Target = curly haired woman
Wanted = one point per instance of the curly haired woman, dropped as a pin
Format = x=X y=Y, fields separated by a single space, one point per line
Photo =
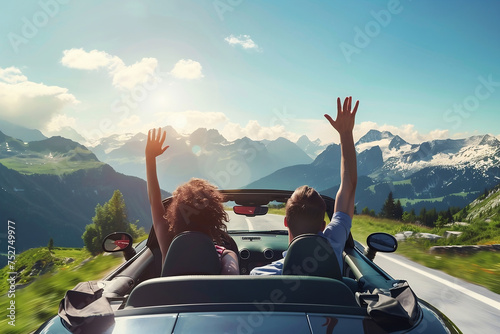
x=196 y=206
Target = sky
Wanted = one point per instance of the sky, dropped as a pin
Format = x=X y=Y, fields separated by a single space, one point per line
x=262 y=69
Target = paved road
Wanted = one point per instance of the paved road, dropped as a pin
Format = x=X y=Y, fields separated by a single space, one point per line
x=472 y=308
x=257 y=223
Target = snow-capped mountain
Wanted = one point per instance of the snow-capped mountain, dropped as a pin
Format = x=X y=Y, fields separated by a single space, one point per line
x=402 y=159
x=312 y=148
x=390 y=145
x=440 y=173
x=205 y=153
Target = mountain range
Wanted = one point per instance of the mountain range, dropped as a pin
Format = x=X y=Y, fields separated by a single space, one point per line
x=205 y=154
x=437 y=173
x=20 y=132
x=50 y=186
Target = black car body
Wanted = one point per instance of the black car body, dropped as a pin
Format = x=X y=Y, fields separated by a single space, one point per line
x=144 y=302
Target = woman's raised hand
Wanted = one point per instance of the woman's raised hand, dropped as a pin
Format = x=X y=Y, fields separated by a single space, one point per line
x=154 y=146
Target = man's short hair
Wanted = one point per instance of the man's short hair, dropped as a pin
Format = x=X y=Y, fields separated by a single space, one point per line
x=305 y=211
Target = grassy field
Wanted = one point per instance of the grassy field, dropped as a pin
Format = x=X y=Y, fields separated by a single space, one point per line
x=413 y=201
x=45 y=260
x=47 y=166
x=398 y=183
x=280 y=211
x=482 y=268
x=38 y=301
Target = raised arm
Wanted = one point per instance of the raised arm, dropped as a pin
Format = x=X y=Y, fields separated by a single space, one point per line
x=154 y=148
x=344 y=125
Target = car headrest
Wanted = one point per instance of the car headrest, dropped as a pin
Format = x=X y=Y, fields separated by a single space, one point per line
x=311 y=255
x=191 y=253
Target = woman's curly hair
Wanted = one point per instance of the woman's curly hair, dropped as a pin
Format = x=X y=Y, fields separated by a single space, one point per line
x=197 y=206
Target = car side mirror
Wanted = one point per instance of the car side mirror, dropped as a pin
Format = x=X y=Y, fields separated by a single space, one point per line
x=380 y=242
x=119 y=242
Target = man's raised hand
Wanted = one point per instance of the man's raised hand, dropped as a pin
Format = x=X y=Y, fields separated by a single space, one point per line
x=344 y=123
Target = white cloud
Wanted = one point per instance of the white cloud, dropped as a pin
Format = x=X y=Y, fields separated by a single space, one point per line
x=133 y=75
x=317 y=129
x=187 y=69
x=93 y=60
x=188 y=121
x=29 y=103
x=437 y=134
x=59 y=122
x=244 y=40
x=12 y=75
x=130 y=123
x=255 y=131
x=124 y=77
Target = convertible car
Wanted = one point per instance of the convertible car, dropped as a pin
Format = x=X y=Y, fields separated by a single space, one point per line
x=187 y=295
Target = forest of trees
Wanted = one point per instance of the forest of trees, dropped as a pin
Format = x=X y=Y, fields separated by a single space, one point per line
x=393 y=209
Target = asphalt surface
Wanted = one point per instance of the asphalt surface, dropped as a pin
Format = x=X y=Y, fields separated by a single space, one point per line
x=258 y=223
x=472 y=308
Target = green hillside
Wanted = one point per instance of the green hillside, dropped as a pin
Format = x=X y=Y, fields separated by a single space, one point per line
x=51 y=187
x=485 y=208
x=36 y=262
x=54 y=165
x=47 y=206
x=54 y=156
x=43 y=279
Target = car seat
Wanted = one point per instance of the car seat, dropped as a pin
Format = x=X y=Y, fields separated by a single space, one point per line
x=311 y=255
x=191 y=253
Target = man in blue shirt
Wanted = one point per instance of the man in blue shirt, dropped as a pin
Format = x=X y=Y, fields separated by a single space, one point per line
x=305 y=209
